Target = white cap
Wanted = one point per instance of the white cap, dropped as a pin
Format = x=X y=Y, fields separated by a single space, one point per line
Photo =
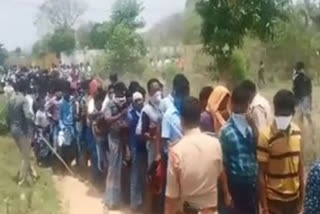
x=137 y=96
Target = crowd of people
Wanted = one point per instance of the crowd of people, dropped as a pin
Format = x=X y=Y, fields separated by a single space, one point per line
x=224 y=152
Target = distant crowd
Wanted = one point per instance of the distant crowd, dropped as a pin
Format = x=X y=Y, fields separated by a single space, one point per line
x=223 y=152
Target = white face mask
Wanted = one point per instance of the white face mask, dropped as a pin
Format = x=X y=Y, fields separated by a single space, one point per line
x=283 y=122
x=120 y=100
x=156 y=98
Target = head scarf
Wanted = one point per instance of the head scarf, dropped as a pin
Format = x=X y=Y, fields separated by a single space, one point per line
x=214 y=102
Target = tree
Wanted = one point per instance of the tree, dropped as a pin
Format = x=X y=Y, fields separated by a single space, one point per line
x=60 y=13
x=83 y=35
x=41 y=47
x=62 y=40
x=3 y=54
x=98 y=35
x=225 y=23
x=127 y=12
x=124 y=47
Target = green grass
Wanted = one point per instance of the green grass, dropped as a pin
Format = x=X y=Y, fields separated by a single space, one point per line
x=39 y=198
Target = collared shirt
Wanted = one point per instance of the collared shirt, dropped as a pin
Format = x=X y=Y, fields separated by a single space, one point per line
x=171 y=126
x=312 y=200
x=190 y=182
x=281 y=152
x=239 y=153
x=260 y=111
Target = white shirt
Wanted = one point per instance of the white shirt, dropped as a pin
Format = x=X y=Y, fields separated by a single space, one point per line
x=260 y=110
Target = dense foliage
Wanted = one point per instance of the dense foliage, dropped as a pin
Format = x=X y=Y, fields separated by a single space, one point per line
x=124 y=46
x=62 y=40
x=226 y=23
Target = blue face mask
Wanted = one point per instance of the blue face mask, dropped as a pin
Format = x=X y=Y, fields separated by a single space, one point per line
x=178 y=103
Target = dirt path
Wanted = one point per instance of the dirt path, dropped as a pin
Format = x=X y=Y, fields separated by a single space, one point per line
x=78 y=197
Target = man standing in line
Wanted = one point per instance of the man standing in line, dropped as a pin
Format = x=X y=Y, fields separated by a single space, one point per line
x=20 y=122
x=280 y=159
x=192 y=188
x=238 y=138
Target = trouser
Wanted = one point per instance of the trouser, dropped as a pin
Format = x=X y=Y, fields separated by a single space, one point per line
x=282 y=207
x=24 y=145
x=164 y=157
x=138 y=178
x=245 y=198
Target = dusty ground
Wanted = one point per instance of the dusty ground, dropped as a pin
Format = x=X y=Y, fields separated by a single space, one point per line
x=80 y=197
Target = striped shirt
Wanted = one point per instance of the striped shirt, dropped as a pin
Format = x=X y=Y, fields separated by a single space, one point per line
x=281 y=152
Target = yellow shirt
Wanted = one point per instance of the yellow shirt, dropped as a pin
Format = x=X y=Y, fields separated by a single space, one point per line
x=281 y=152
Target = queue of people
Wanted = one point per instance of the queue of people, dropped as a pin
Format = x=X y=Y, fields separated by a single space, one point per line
x=222 y=153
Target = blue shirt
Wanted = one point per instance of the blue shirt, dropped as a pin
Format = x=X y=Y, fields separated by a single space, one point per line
x=171 y=126
x=239 y=153
x=66 y=114
x=136 y=143
x=312 y=200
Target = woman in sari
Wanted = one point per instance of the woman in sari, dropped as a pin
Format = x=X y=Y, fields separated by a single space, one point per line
x=218 y=107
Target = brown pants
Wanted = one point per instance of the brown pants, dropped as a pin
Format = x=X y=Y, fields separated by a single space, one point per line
x=281 y=207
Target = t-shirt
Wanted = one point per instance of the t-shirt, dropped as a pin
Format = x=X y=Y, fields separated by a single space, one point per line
x=189 y=181
x=281 y=151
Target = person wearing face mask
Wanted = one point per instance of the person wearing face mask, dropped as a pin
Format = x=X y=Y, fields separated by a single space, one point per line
x=139 y=154
x=116 y=119
x=238 y=141
x=148 y=130
x=280 y=159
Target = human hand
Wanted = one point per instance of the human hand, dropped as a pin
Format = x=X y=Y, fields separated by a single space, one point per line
x=228 y=201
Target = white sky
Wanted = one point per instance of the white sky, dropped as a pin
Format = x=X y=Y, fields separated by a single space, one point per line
x=17 y=17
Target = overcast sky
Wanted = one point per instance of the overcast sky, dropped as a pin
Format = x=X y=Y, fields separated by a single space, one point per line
x=17 y=17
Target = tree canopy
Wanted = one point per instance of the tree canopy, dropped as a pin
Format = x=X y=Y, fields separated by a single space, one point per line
x=225 y=23
x=62 y=40
x=124 y=46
